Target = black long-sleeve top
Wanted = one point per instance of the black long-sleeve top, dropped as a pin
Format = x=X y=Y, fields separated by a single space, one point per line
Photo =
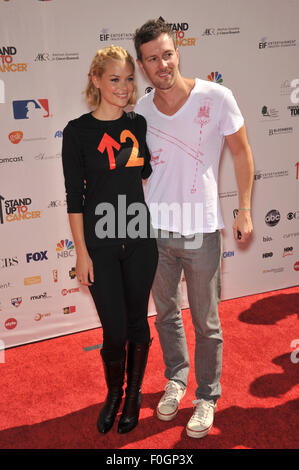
x=103 y=160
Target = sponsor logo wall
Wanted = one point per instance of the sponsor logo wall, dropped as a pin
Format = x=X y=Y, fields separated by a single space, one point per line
x=45 y=51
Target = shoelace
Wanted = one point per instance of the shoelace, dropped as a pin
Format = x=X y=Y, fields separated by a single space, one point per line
x=171 y=394
x=201 y=412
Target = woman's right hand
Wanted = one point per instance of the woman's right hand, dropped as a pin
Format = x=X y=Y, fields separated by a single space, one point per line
x=84 y=269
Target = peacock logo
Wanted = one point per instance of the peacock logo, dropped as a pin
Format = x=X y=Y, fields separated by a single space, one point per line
x=64 y=248
x=215 y=77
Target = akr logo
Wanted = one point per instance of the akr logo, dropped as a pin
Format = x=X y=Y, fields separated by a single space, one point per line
x=30 y=109
x=42 y=57
x=209 y=32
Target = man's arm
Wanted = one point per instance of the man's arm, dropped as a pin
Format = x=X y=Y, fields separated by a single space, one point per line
x=244 y=170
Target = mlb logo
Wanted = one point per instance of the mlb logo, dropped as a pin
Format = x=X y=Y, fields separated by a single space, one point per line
x=30 y=109
x=16 y=302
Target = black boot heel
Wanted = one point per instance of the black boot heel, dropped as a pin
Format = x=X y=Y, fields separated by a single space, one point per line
x=114 y=375
x=137 y=359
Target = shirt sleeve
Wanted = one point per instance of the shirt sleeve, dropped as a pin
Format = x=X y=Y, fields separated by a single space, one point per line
x=73 y=170
x=230 y=119
x=147 y=168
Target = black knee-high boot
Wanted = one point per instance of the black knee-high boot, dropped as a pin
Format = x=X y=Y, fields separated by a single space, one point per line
x=114 y=375
x=136 y=363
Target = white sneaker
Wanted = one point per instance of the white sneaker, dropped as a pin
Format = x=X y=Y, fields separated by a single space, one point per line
x=202 y=419
x=169 y=404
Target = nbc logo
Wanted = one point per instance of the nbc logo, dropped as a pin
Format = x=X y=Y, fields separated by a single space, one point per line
x=65 y=248
x=215 y=77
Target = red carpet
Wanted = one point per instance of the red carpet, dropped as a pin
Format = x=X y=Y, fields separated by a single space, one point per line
x=51 y=391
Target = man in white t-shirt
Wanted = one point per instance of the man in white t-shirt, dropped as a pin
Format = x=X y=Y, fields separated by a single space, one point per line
x=188 y=121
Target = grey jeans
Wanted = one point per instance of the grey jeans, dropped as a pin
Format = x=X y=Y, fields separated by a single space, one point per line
x=201 y=267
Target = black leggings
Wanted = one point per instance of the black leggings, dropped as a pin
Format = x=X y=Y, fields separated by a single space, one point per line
x=123 y=277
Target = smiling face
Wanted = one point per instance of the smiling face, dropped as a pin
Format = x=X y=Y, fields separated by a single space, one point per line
x=160 y=61
x=116 y=84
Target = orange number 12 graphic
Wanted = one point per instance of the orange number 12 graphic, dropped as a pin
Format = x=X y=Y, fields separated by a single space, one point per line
x=109 y=143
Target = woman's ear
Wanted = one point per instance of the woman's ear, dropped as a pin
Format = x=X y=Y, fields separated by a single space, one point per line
x=96 y=81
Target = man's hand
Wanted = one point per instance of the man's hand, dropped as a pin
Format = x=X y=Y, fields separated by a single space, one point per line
x=243 y=225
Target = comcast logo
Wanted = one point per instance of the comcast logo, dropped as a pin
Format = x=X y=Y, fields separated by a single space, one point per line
x=215 y=77
x=64 y=248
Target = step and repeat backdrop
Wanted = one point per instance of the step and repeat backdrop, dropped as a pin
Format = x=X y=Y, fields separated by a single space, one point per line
x=45 y=51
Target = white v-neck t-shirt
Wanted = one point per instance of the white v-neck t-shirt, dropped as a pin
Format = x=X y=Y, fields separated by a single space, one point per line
x=182 y=191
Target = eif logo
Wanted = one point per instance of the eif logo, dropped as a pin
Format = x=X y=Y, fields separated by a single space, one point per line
x=30 y=109
x=263 y=43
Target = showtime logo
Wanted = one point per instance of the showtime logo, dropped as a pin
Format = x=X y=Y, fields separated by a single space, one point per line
x=296 y=266
x=39 y=316
x=70 y=291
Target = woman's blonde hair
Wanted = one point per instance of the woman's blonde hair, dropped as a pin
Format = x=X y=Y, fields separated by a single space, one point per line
x=98 y=67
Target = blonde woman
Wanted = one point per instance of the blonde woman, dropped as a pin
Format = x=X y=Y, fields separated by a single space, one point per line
x=105 y=158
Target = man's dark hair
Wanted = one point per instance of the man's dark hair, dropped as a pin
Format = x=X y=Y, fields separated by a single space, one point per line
x=152 y=29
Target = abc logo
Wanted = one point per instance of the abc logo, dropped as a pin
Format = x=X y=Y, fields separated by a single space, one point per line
x=272 y=218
